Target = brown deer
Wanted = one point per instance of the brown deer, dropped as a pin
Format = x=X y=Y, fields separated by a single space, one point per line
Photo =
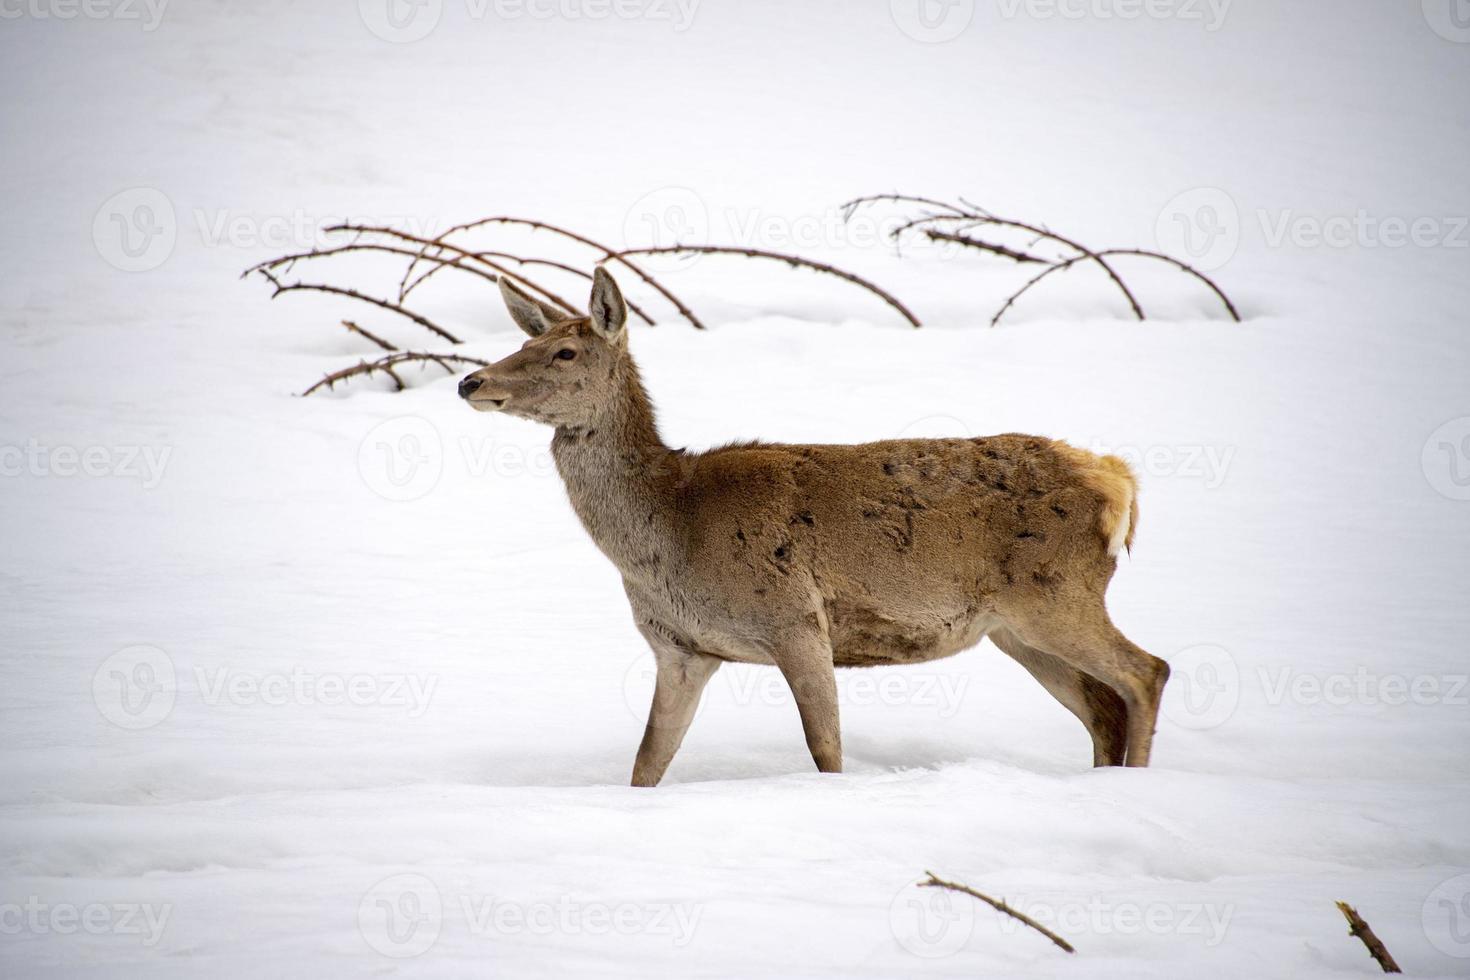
x=815 y=557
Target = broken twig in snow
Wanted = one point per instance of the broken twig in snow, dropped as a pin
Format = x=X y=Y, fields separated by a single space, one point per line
x=1361 y=929
x=999 y=905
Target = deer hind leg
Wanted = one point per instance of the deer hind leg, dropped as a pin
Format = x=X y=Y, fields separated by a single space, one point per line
x=682 y=676
x=1082 y=635
x=805 y=660
x=1095 y=704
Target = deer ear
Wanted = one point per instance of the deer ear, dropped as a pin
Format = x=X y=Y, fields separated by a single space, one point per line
x=609 y=311
x=531 y=315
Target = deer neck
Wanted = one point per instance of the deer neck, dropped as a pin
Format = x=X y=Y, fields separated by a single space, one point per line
x=616 y=470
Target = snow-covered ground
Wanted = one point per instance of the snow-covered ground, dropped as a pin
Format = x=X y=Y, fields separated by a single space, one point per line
x=337 y=686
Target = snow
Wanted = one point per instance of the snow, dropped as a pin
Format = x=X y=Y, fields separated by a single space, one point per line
x=395 y=691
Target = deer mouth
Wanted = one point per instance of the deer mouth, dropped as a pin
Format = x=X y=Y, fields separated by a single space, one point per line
x=487 y=403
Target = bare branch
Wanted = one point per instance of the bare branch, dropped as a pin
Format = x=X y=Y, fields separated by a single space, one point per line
x=354 y=294
x=1011 y=301
x=1068 y=263
x=369 y=335
x=526 y=260
x=607 y=253
x=999 y=905
x=1085 y=252
x=848 y=208
x=1361 y=929
x=274 y=265
x=1001 y=250
x=791 y=260
x=462 y=253
x=1183 y=267
x=387 y=364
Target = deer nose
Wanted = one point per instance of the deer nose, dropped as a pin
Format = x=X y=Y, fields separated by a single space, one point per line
x=469 y=386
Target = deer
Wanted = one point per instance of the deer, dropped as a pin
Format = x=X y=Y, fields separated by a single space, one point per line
x=814 y=557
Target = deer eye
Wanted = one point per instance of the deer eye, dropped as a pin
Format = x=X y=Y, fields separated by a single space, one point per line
x=565 y=354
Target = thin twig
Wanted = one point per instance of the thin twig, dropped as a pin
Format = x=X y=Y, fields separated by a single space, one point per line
x=1361 y=929
x=1011 y=300
x=999 y=905
x=848 y=208
x=369 y=335
x=1001 y=250
x=386 y=365
x=792 y=260
x=354 y=294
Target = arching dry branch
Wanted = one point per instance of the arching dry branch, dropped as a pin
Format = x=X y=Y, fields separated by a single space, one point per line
x=957 y=221
x=354 y=294
x=607 y=254
x=462 y=253
x=285 y=263
x=530 y=260
x=791 y=260
x=386 y=365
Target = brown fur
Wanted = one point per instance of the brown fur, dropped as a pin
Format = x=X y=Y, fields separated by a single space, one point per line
x=810 y=557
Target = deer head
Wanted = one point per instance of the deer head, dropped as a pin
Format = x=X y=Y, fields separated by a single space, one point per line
x=569 y=370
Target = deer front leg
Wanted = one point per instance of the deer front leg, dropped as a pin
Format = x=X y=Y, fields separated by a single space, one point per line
x=681 y=678
x=806 y=663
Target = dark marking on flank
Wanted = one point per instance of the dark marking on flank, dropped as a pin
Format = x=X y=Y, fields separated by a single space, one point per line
x=1059 y=510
